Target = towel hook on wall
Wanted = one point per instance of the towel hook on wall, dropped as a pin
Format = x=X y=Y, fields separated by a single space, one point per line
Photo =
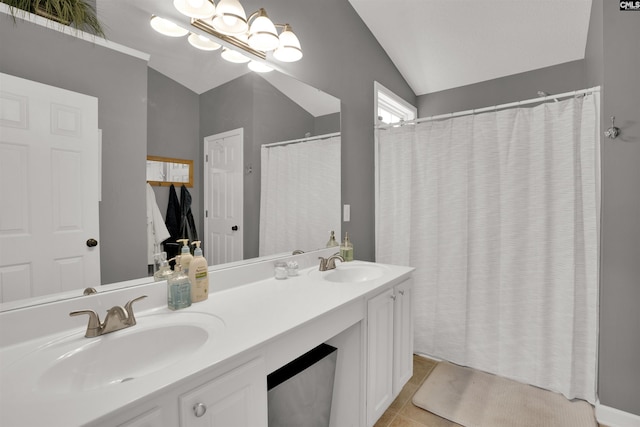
x=613 y=131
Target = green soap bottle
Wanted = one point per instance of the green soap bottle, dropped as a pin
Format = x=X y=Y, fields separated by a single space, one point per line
x=346 y=248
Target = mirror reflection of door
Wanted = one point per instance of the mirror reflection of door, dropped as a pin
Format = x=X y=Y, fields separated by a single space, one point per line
x=223 y=197
x=49 y=226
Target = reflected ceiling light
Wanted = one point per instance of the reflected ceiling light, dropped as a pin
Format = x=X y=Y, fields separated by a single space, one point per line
x=198 y=9
x=202 y=42
x=230 y=18
x=167 y=28
x=233 y=56
x=289 y=48
x=262 y=33
x=259 y=67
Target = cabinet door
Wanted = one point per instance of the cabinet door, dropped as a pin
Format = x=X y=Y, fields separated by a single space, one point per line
x=236 y=399
x=379 y=355
x=403 y=336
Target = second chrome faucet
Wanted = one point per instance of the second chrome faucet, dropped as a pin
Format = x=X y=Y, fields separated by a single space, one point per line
x=117 y=318
x=329 y=263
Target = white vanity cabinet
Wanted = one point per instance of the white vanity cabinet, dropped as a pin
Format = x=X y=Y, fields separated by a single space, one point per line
x=237 y=398
x=389 y=347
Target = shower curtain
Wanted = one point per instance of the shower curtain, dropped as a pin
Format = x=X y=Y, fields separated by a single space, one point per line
x=299 y=195
x=498 y=212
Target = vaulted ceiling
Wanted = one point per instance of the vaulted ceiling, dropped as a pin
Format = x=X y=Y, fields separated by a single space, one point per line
x=442 y=44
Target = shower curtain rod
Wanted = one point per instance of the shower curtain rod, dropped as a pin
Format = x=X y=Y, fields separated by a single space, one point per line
x=574 y=93
x=295 y=141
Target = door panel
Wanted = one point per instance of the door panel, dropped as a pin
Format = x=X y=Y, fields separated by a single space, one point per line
x=49 y=197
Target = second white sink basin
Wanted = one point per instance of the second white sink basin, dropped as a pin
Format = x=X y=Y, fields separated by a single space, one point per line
x=355 y=272
x=77 y=364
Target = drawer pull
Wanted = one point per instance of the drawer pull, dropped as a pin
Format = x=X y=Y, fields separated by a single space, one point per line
x=199 y=409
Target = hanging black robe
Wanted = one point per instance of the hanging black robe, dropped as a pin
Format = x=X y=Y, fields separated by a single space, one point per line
x=187 y=223
x=172 y=221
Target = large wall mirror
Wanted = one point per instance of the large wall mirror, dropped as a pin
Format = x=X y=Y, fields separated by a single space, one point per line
x=166 y=105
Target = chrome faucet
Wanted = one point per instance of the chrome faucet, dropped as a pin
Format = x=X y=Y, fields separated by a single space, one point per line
x=329 y=263
x=117 y=318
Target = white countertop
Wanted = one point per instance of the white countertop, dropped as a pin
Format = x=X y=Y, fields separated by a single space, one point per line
x=252 y=316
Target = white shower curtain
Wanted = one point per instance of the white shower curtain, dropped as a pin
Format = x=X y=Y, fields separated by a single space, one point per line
x=498 y=212
x=300 y=195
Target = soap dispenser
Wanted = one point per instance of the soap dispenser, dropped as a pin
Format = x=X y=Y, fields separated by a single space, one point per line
x=164 y=271
x=178 y=288
x=199 y=275
x=185 y=255
x=346 y=248
x=332 y=240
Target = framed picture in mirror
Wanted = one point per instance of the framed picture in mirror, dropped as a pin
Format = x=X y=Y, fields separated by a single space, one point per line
x=164 y=171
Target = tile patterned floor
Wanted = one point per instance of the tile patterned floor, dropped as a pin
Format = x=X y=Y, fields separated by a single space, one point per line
x=403 y=413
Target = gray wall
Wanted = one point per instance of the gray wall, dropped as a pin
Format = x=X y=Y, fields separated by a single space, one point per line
x=613 y=60
x=173 y=131
x=36 y=53
x=266 y=115
x=557 y=79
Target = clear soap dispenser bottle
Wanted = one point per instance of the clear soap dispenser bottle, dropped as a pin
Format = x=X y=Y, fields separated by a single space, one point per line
x=346 y=248
x=185 y=255
x=332 y=240
x=164 y=271
x=178 y=288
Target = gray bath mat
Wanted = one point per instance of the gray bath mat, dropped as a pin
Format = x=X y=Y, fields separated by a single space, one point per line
x=476 y=399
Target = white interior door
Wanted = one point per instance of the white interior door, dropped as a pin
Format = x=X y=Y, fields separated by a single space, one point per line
x=223 y=196
x=49 y=170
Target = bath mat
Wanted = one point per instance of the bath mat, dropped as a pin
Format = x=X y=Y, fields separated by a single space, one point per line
x=476 y=399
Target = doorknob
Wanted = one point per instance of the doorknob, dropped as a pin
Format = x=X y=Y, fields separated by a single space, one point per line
x=234 y=228
x=92 y=242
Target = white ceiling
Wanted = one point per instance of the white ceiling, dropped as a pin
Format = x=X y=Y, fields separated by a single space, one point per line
x=435 y=44
x=126 y=22
x=442 y=44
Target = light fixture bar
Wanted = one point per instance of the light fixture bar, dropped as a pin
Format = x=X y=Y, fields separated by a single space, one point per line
x=207 y=28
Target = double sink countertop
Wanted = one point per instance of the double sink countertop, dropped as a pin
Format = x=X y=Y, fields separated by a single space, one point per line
x=65 y=376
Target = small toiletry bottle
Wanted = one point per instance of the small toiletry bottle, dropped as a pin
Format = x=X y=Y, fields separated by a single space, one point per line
x=178 y=289
x=185 y=255
x=199 y=275
x=346 y=248
x=164 y=271
x=332 y=240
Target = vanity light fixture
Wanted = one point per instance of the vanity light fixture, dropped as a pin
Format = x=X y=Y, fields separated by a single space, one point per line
x=234 y=56
x=167 y=28
x=259 y=67
x=202 y=42
x=227 y=22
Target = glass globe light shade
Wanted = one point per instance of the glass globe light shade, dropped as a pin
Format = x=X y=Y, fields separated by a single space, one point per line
x=202 y=42
x=259 y=67
x=289 y=49
x=233 y=56
x=262 y=33
x=198 y=9
x=167 y=28
x=230 y=18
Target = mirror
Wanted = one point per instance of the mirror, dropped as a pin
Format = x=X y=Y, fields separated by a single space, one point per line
x=164 y=171
x=147 y=108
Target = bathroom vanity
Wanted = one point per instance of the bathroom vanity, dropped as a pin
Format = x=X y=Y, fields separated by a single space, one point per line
x=207 y=365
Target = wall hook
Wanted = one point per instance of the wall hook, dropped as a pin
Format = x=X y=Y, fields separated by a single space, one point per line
x=613 y=131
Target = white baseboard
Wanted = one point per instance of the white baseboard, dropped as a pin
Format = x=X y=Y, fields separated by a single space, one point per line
x=612 y=417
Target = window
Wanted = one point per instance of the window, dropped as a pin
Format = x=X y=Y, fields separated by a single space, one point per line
x=390 y=108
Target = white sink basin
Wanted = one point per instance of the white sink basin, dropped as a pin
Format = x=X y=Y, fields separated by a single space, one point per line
x=77 y=364
x=352 y=272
